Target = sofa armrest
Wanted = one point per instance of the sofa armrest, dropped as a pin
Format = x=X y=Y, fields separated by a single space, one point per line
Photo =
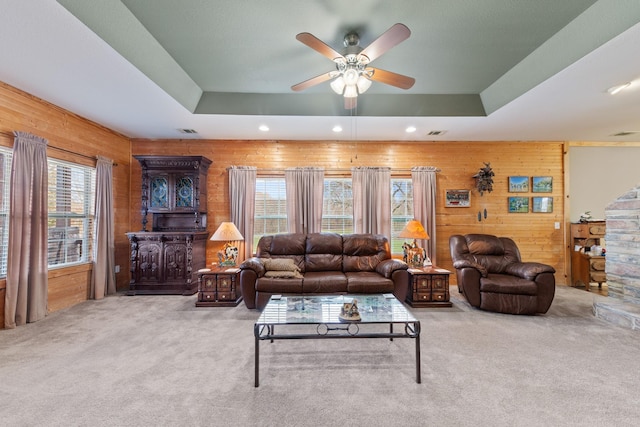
x=528 y=270
x=254 y=264
x=388 y=266
x=464 y=263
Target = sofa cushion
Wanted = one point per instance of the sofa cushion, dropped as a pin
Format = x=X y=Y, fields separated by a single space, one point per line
x=363 y=252
x=323 y=252
x=320 y=282
x=507 y=284
x=368 y=282
x=278 y=285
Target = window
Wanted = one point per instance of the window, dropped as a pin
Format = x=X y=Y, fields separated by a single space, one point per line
x=271 y=210
x=5 y=175
x=71 y=212
x=337 y=206
x=401 y=210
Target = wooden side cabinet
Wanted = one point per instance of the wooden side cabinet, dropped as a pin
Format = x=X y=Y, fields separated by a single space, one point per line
x=586 y=269
x=429 y=287
x=219 y=288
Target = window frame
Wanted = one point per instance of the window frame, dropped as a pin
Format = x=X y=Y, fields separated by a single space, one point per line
x=61 y=194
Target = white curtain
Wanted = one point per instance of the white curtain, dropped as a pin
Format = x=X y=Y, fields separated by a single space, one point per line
x=305 y=188
x=104 y=279
x=242 y=195
x=423 y=179
x=27 y=282
x=372 y=200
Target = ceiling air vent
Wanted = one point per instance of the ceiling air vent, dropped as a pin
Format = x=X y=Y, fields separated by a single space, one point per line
x=436 y=132
x=189 y=131
x=632 y=132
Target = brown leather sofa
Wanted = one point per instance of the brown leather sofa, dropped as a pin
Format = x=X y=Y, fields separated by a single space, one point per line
x=323 y=263
x=492 y=276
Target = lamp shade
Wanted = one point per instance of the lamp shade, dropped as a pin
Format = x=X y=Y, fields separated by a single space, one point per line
x=227 y=231
x=414 y=230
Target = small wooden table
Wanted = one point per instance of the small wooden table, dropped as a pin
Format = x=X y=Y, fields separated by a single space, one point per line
x=428 y=287
x=219 y=287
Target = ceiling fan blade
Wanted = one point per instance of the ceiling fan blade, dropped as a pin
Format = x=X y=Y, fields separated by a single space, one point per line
x=350 y=103
x=393 y=36
x=389 y=78
x=318 y=45
x=314 y=81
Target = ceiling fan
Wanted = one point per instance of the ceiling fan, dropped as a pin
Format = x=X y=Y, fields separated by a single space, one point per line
x=353 y=75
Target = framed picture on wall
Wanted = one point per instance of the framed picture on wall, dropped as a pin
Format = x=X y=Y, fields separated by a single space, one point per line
x=542 y=204
x=542 y=184
x=457 y=198
x=518 y=184
x=518 y=204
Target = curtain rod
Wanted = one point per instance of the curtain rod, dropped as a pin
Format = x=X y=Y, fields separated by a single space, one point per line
x=11 y=135
x=333 y=170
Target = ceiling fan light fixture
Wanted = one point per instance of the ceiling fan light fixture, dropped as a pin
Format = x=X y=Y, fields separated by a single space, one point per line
x=338 y=85
x=350 y=91
x=363 y=84
x=351 y=77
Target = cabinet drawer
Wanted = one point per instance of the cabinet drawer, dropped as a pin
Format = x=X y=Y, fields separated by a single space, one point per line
x=209 y=283
x=597 y=230
x=439 y=283
x=439 y=296
x=207 y=296
x=598 y=276
x=224 y=282
x=579 y=231
x=226 y=296
x=422 y=283
x=597 y=264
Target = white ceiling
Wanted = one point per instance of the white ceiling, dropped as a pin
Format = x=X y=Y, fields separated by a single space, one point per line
x=540 y=69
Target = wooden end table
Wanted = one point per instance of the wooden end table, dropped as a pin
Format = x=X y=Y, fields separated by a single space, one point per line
x=219 y=287
x=428 y=287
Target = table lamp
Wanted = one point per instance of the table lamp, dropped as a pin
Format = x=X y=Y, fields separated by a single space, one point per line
x=413 y=255
x=227 y=232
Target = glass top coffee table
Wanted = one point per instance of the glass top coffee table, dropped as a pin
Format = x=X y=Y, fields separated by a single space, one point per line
x=321 y=314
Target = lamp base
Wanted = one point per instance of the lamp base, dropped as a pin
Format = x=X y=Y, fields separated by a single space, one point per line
x=228 y=255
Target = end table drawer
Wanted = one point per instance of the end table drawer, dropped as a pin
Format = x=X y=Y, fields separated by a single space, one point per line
x=422 y=283
x=439 y=296
x=224 y=282
x=422 y=296
x=207 y=296
x=209 y=282
x=226 y=296
x=440 y=283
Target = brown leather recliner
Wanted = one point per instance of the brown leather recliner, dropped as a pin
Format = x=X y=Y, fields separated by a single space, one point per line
x=492 y=276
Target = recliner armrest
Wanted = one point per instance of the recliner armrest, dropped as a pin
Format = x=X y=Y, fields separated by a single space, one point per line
x=528 y=270
x=464 y=263
x=254 y=264
x=388 y=266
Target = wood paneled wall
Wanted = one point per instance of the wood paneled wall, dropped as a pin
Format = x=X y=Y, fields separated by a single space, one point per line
x=535 y=233
x=82 y=140
x=458 y=161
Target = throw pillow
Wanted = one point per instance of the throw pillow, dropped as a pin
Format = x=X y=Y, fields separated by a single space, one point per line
x=279 y=264
x=283 y=274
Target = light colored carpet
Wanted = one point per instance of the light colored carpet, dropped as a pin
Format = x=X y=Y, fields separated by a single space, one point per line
x=159 y=360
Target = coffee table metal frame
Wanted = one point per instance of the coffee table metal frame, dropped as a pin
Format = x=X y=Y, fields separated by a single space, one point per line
x=323 y=311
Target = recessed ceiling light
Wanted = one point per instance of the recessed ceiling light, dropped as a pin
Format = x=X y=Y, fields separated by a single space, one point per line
x=337 y=128
x=616 y=89
x=264 y=128
x=410 y=129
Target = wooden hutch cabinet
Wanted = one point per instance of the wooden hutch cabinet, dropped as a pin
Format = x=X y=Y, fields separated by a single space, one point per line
x=585 y=267
x=174 y=192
